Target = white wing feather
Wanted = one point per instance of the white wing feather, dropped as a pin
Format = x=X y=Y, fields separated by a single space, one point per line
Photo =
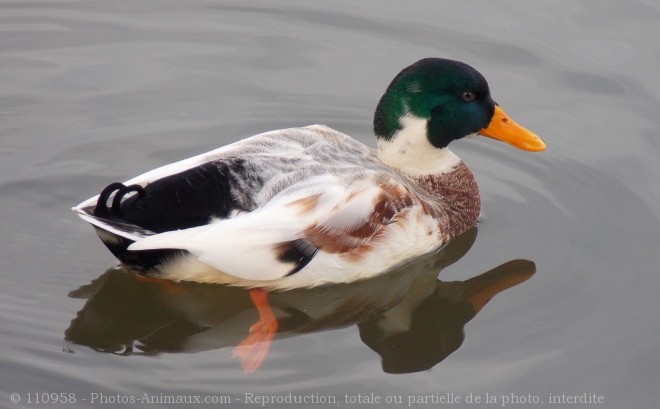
x=245 y=246
x=241 y=247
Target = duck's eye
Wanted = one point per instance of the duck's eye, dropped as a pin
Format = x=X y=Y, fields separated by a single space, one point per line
x=468 y=96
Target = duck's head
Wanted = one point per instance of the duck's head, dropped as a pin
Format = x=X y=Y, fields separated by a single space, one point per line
x=435 y=101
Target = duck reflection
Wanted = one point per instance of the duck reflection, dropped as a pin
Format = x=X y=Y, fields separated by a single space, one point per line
x=408 y=316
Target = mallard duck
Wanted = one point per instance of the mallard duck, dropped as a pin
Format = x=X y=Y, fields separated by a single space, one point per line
x=301 y=207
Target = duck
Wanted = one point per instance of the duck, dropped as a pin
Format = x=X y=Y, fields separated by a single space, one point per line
x=303 y=207
x=307 y=206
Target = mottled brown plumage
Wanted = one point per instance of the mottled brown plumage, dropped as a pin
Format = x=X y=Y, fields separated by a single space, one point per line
x=454 y=200
x=451 y=199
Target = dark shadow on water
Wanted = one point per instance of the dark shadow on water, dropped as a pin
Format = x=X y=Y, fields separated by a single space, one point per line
x=408 y=316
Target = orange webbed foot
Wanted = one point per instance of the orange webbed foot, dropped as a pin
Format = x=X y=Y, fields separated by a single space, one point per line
x=254 y=348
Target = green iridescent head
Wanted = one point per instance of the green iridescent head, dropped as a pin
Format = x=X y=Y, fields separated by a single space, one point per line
x=452 y=96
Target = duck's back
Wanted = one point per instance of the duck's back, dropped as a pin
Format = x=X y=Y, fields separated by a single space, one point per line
x=246 y=175
x=235 y=179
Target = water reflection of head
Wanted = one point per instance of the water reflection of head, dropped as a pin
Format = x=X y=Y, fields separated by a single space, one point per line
x=435 y=327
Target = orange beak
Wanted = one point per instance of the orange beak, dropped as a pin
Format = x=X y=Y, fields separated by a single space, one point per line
x=504 y=129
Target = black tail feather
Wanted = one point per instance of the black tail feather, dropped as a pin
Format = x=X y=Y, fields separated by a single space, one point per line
x=119 y=196
x=102 y=209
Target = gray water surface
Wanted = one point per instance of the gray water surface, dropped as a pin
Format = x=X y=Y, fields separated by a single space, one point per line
x=92 y=92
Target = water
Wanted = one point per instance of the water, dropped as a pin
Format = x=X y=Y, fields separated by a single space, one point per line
x=92 y=92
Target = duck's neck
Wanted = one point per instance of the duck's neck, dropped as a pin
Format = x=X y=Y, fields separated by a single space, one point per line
x=410 y=151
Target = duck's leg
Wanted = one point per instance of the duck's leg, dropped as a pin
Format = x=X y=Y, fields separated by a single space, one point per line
x=254 y=348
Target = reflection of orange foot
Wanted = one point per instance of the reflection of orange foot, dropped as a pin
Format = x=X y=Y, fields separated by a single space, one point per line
x=254 y=348
x=168 y=286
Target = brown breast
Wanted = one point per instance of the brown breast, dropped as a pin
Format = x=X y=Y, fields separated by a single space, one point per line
x=451 y=198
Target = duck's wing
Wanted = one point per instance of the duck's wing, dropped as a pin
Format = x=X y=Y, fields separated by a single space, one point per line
x=282 y=237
